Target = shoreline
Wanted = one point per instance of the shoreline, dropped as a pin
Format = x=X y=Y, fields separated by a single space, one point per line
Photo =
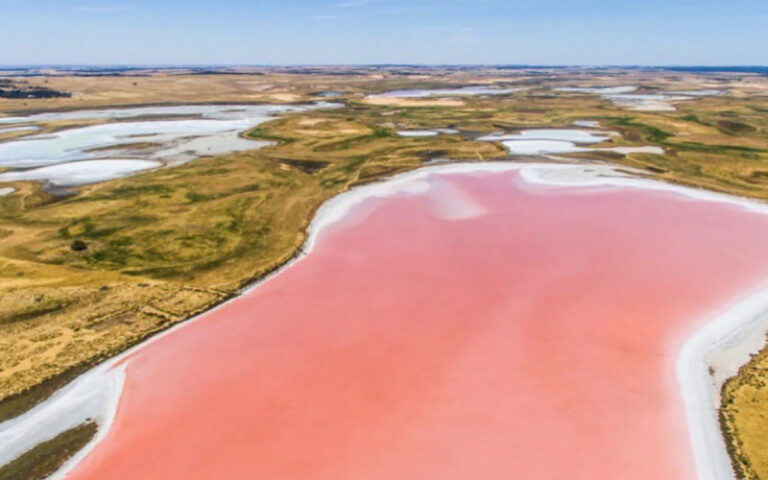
x=98 y=390
x=728 y=340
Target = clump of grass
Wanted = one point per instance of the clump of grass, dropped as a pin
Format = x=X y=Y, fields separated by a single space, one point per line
x=263 y=133
x=194 y=196
x=651 y=133
x=78 y=245
x=695 y=119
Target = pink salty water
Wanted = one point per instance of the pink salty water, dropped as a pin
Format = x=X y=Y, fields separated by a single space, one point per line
x=485 y=328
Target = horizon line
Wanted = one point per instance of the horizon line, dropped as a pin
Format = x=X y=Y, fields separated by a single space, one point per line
x=288 y=65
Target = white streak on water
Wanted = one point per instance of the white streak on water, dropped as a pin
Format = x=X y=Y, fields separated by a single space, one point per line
x=23 y=128
x=649 y=102
x=557 y=134
x=541 y=147
x=417 y=133
x=587 y=123
x=214 y=112
x=553 y=141
x=627 y=150
x=427 y=133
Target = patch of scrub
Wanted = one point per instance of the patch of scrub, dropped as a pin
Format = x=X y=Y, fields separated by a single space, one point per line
x=446 y=92
x=73 y=174
x=215 y=132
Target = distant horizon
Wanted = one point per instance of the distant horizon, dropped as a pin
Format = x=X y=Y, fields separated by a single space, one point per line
x=378 y=65
x=381 y=32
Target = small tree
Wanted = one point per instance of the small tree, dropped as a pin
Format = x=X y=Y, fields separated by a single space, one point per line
x=78 y=245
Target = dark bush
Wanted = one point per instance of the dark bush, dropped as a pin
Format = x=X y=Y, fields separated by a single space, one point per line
x=78 y=246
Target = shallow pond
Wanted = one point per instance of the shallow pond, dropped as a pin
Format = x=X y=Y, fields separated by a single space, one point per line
x=554 y=141
x=658 y=101
x=81 y=173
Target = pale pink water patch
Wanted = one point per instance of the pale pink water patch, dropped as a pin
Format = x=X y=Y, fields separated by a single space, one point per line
x=533 y=336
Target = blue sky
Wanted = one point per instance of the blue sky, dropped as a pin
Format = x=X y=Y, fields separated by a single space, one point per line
x=594 y=32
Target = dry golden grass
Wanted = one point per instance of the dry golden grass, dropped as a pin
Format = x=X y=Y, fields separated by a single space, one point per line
x=744 y=418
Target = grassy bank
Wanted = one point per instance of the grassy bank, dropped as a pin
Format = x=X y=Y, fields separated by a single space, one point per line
x=744 y=418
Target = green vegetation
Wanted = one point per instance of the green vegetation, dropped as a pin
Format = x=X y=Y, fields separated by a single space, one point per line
x=649 y=132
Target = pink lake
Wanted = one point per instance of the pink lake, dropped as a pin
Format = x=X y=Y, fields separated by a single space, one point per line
x=483 y=328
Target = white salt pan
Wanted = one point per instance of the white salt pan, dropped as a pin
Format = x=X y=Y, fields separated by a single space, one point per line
x=216 y=131
x=24 y=128
x=80 y=173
